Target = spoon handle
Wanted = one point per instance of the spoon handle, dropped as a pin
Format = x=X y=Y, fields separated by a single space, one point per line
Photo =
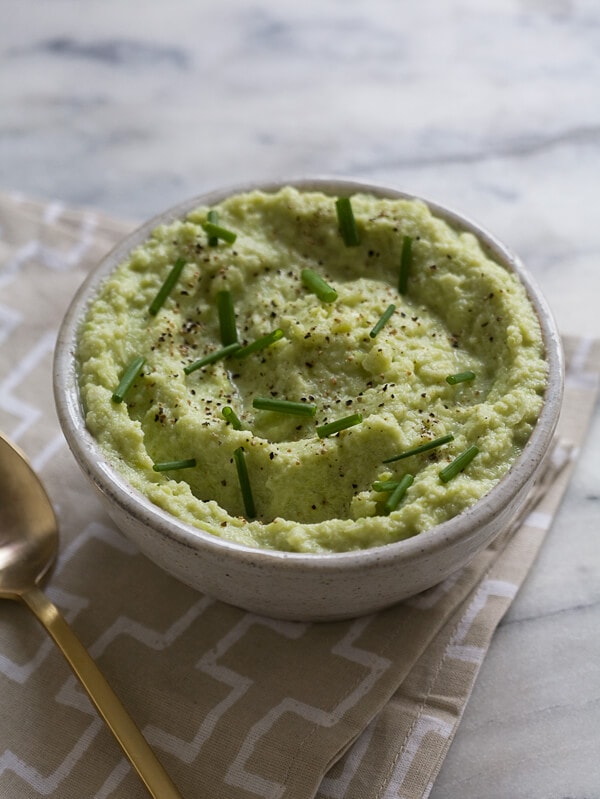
x=109 y=706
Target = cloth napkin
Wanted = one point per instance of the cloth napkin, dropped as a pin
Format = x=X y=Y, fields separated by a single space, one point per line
x=235 y=705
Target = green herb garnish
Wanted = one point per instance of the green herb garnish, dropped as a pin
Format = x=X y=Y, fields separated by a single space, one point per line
x=436 y=442
x=383 y=319
x=129 y=375
x=384 y=486
x=318 y=286
x=213 y=218
x=405 y=262
x=346 y=221
x=217 y=355
x=460 y=377
x=260 y=343
x=226 y=318
x=217 y=232
x=230 y=416
x=398 y=493
x=166 y=287
x=458 y=464
x=331 y=428
x=168 y=466
x=242 y=470
x=284 y=406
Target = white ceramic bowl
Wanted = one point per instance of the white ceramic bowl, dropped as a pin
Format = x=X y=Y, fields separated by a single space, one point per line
x=290 y=585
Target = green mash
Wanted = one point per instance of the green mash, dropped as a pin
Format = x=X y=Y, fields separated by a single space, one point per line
x=459 y=312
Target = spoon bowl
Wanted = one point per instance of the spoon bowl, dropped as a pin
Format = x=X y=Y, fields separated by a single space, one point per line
x=28 y=531
x=28 y=547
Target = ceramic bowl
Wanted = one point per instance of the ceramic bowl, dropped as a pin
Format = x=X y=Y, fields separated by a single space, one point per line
x=290 y=585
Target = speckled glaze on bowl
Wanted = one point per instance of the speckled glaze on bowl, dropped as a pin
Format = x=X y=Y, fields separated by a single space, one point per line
x=290 y=585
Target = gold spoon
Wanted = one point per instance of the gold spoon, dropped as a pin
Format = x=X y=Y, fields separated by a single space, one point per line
x=28 y=545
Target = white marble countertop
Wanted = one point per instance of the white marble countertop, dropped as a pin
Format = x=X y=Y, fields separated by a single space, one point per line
x=492 y=108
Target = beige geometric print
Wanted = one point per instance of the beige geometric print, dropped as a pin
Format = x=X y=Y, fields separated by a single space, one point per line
x=235 y=705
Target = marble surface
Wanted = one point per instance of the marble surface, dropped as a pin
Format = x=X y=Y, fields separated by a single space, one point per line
x=492 y=108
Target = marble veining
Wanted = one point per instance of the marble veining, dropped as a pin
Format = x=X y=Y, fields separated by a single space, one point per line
x=492 y=108
x=116 y=52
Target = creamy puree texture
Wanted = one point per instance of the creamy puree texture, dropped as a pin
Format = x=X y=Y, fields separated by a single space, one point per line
x=461 y=311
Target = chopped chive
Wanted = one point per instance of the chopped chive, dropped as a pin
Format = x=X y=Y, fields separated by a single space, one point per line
x=398 y=493
x=242 y=470
x=212 y=357
x=458 y=464
x=383 y=319
x=260 y=343
x=284 y=406
x=168 y=466
x=230 y=416
x=405 y=261
x=339 y=424
x=226 y=318
x=384 y=486
x=129 y=375
x=213 y=218
x=318 y=286
x=460 y=377
x=166 y=287
x=217 y=232
x=436 y=442
x=346 y=221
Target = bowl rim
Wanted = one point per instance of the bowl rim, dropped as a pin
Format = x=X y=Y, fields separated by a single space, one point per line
x=111 y=483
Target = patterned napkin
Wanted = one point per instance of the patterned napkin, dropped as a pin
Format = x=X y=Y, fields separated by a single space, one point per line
x=235 y=705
